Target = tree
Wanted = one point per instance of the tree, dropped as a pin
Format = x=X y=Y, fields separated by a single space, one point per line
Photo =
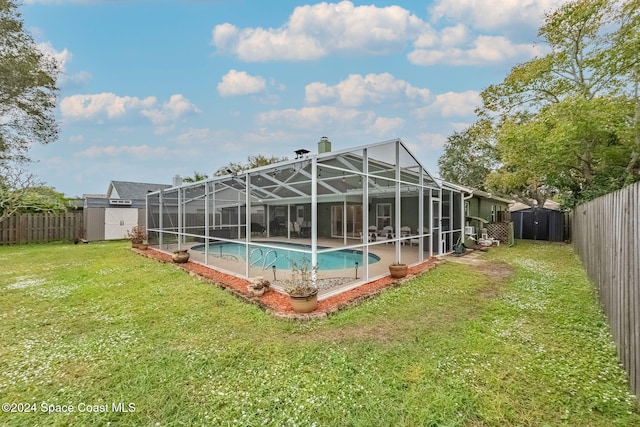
x=197 y=176
x=252 y=162
x=469 y=156
x=28 y=88
x=20 y=191
x=581 y=105
x=524 y=173
x=28 y=95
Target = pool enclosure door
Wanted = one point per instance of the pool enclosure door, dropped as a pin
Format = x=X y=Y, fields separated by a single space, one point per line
x=346 y=220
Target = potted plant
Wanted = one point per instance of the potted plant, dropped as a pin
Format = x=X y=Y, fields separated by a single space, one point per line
x=398 y=270
x=138 y=236
x=302 y=293
x=180 y=256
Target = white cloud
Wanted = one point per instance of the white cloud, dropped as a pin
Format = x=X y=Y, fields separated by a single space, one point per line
x=63 y=58
x=138 y=151
x=177 y=107
x=194 y=135
x=358 y=90
x=315 y=31
x=336 y=119
x=494 y=15
x=386 y=125
x=483 y=50
x=433 y=141
x=76 y=139
x=315 y=117
x=240 y=83
x=90 y=106
x=85 y=107
x=452 y=104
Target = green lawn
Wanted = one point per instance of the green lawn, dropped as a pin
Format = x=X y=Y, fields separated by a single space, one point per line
x=520 y=342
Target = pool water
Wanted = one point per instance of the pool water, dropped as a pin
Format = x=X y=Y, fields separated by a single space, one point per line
x=283 y=257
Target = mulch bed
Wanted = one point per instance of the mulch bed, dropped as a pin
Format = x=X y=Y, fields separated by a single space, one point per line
x=277 y=303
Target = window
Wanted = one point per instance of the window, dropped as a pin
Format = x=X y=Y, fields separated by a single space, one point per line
x=493 y=213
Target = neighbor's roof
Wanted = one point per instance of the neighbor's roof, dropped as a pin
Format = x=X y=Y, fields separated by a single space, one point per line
x=548 y=204
x=132 y=190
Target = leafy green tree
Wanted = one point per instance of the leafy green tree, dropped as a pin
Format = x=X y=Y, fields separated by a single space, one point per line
x=252 y=162
x=28 y=95
x=469 y=156
x=20 y=192
x=28 y=88
x=581 y=106
x=197 y=176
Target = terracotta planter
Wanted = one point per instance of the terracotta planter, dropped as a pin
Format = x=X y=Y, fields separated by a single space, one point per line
x=180 y=256
x=143 y=246
x=398 y=271
x=304 y=303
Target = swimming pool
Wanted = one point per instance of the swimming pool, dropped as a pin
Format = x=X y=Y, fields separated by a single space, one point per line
x=283 y=257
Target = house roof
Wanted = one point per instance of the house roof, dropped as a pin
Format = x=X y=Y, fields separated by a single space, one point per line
x=548 y=204
x=132 y=190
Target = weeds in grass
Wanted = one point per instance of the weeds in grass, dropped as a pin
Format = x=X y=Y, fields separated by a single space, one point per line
x=453 y=347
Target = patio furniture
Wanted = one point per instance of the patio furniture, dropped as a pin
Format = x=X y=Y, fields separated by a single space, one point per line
x=305 y=229
x=371 y=237
x=294 y=229
x=257 y=228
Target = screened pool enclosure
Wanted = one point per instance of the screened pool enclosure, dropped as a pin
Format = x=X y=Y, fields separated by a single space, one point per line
x=350 y=213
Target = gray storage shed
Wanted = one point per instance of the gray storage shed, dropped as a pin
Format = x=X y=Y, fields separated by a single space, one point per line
x=109 y=216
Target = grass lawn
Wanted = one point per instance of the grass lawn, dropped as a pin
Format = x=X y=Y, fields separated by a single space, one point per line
x=98 y=329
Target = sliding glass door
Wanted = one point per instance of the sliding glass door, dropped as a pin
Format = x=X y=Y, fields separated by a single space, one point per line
x=351 y=224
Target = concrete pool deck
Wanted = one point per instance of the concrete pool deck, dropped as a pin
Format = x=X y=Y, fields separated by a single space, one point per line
x=233 y=265
x=276 y=302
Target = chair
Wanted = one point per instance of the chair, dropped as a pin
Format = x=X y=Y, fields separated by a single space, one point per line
x=371 y=237
x=405 y=231
x=294 y=229
x=257 y=228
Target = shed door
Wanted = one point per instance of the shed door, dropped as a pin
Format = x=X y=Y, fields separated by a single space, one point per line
x=117 y=221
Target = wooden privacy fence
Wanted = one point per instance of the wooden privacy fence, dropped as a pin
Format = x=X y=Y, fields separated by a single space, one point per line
x=41 y=228
x=606 y=235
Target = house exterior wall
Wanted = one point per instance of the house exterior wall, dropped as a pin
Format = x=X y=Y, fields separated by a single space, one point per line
x=481 y=207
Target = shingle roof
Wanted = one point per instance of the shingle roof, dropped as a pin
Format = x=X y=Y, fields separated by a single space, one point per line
x=132 y=190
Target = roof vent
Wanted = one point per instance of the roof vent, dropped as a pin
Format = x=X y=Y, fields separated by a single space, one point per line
x=120 y=202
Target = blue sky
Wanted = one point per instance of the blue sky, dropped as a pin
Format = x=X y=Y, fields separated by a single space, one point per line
x=151 y=89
